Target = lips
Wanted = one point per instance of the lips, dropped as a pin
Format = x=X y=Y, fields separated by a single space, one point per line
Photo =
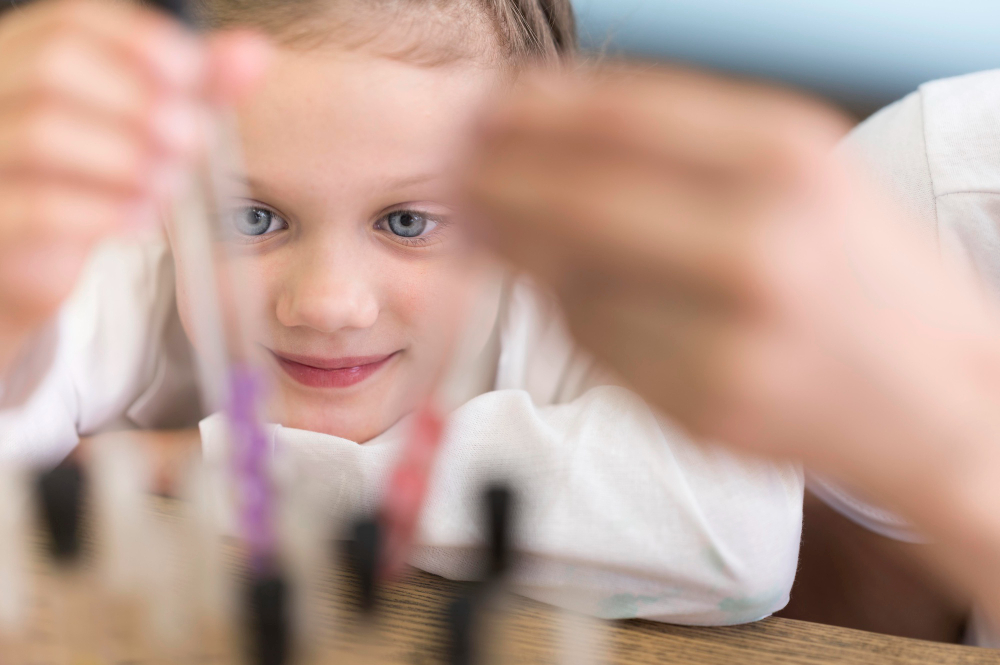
x=318 y=372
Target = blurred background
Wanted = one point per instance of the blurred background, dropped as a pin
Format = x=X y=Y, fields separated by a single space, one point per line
x=862 y=54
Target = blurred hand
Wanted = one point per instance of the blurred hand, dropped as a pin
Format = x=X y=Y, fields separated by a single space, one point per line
x=706 y=244
x=100 y=107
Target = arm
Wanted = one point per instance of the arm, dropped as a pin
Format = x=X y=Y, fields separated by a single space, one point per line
x=810 y=319
x=935 y=156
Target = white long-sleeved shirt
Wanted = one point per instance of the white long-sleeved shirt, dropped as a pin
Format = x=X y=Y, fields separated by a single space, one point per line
x=938 y=152
x=620 y=514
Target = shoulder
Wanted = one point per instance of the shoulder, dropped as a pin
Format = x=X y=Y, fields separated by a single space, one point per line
x=891 y=147
x=962 y=132
x=941 y=139
x=938 y=152
x=962 y=137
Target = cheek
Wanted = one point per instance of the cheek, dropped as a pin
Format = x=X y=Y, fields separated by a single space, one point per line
x=436 y=307
x=260 y=278
x=422 y=298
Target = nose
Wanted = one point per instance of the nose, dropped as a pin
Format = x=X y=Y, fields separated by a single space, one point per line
x=327 y=292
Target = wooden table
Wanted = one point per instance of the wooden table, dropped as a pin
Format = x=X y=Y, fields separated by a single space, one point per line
x=413 y=612
x=410 y=629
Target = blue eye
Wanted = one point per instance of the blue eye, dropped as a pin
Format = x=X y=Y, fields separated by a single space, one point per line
x=256 y=221
x=408 y=224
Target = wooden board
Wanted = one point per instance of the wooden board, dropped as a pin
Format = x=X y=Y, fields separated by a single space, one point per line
x=413 y=622
x=410 y=628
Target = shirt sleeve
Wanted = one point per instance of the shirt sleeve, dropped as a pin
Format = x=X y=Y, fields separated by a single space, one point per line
x=102 y=353
x=620 y=515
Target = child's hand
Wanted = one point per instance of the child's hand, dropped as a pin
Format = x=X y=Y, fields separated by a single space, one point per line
x=99 y=112
x=706 y=244
x=638 y=195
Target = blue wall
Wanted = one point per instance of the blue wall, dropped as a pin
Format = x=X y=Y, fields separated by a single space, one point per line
x=862 y=53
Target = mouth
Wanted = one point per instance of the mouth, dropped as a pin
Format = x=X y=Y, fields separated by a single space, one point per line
x=317 y=372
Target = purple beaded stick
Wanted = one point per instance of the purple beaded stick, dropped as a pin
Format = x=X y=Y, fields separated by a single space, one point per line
x=250 y=455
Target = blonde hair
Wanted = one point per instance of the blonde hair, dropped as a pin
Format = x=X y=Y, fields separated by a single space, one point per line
x=517 y=31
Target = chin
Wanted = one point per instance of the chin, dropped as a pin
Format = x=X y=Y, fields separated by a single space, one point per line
x=357 y=432
x=335 y=421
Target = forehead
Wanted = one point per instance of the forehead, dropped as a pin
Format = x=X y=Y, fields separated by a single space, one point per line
x=347 y=118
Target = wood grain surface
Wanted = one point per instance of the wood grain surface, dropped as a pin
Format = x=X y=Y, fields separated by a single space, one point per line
x=409 y=627
x=414 y=611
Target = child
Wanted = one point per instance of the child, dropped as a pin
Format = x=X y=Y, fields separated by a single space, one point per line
x=348 y=144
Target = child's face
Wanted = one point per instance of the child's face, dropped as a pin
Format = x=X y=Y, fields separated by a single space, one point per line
x=349 y=232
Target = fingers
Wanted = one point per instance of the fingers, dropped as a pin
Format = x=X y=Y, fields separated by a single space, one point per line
x=163 y=50
x=35 y=210
x=109 y=96
x=657 y=173
x=78 y=71
x=85 y=76
x=667 y=349
x=643 y=196
x=694 y=120
x=94 y=94
x=47 y=232
x=55 y=143
x=603 y=207
x=72 y=61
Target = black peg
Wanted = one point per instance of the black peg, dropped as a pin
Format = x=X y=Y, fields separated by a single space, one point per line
x=498 y=500
x=269 y=620
x=461 y=619
x=61 y=496
x=365 y=549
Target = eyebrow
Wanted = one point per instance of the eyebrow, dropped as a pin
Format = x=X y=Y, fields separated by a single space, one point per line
x=415 y=179
x=243 y=180
x=408 y=181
